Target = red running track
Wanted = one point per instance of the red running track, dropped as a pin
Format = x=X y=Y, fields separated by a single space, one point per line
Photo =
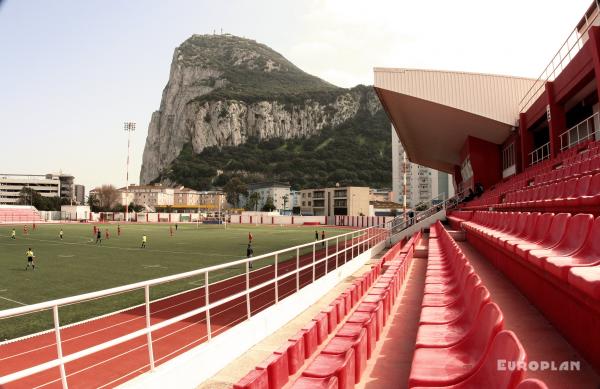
x=118 y=364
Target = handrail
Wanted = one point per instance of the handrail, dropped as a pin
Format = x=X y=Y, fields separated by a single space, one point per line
x=362 y=240
x=574 y=132
x=540 y=154
x=548 y=75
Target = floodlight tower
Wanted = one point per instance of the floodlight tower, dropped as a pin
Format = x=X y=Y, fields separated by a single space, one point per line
x=129 y=127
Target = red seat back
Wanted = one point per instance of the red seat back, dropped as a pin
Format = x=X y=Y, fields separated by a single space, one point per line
x=577 y=230
x=505 y=348
x=532 y=383
x=594 y=188
x=556 y=230
x=476 y=343
x=570 y=188
x=541 y=227
x=591 y=247
x=583 y=185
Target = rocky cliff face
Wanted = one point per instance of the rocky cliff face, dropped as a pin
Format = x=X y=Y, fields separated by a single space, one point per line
x=223 y=90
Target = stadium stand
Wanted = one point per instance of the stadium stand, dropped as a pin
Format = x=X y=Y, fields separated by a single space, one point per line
x=346 y=331
x=19 y=214
x=549 y=257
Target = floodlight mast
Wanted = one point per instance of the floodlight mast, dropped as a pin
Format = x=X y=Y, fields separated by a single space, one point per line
x=129 y=127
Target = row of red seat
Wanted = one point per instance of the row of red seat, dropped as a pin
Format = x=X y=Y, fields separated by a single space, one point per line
x=554 y=259
x=541 y=171
x=343 y=359
x=568 y=171
x=577 y=194
x=461 y=336
x=455 y=218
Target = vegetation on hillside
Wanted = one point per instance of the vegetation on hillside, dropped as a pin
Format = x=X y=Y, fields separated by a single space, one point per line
x=358 y=152
x=243 y=63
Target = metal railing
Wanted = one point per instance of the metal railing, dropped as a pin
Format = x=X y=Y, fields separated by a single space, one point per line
x=561 y=59
x=580 y=132
x=540 y=154
x=354 y=243
x=399 y=223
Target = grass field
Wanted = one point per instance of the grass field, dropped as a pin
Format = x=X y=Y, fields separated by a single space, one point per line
x=77 y=265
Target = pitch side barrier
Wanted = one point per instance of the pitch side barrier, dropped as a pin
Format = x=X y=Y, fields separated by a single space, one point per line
x=354 y=243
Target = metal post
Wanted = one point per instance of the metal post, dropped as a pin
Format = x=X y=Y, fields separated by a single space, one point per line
x=297 y=269
x=63 y=375
x=149 y=334
x=314 y=259
x=206 y=304
x=248 y=311
x=276 y=281
x=326 y=259
x=336 y=252
x=129 y=127
x=345 y=249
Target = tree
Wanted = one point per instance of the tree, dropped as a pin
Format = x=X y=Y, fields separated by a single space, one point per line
x=108 y=197
x=233 y=189
x=285 y=201
x=253 y=201
x=94 y=203
x=269 y=205
x=29 y=196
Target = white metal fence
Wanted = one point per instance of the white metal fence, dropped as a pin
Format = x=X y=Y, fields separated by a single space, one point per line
x=539 y=154
x=582 y=131
x=561 y=59
x=342 y=248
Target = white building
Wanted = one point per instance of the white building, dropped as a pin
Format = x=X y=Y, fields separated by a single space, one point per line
x=47 y=185
x=278 y=191
x=422 y=183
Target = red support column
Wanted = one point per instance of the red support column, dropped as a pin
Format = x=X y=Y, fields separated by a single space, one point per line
x=526 y=141
x=557 y=121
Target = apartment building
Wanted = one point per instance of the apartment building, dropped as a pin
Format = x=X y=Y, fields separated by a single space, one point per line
x=350 y=200
x=422 y=183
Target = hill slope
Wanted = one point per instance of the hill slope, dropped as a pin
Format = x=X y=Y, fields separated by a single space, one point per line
x=235 y=107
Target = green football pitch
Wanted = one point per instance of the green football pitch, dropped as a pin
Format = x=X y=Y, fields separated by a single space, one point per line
x=78 y=265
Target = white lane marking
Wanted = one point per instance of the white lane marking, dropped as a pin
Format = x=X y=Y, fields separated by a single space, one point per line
x=14 y=301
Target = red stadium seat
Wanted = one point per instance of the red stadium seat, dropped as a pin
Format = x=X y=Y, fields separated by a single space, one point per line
x=369 y=321
x=340 y=345
x=450 y=365
x=256 y=379
x=586 y=279
x=588 y=255
x=450 y=313
x=552 y=238
x=448 y=334
x=295 y=354
x=332 y=321
x=340 y=366
x=532 y=383
x=576 y=232
x=310 y=337
x=322 y=327
x=315 y=383
x=277 y=369
x=505 y=347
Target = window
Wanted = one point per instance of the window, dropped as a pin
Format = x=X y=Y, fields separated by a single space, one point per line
x=466 y=170
x=304 y=203
x=508 y=156
x=309 y=203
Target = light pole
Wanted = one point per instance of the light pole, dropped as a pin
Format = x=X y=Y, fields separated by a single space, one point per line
x=129 y=127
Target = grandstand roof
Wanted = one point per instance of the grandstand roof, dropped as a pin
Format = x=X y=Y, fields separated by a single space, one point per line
x=434 y=112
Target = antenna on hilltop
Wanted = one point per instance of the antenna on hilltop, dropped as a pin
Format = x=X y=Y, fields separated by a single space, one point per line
x=221 y=30
x=214 y=32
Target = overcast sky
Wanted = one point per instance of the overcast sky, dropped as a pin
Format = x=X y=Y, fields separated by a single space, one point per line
x=72 y=71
